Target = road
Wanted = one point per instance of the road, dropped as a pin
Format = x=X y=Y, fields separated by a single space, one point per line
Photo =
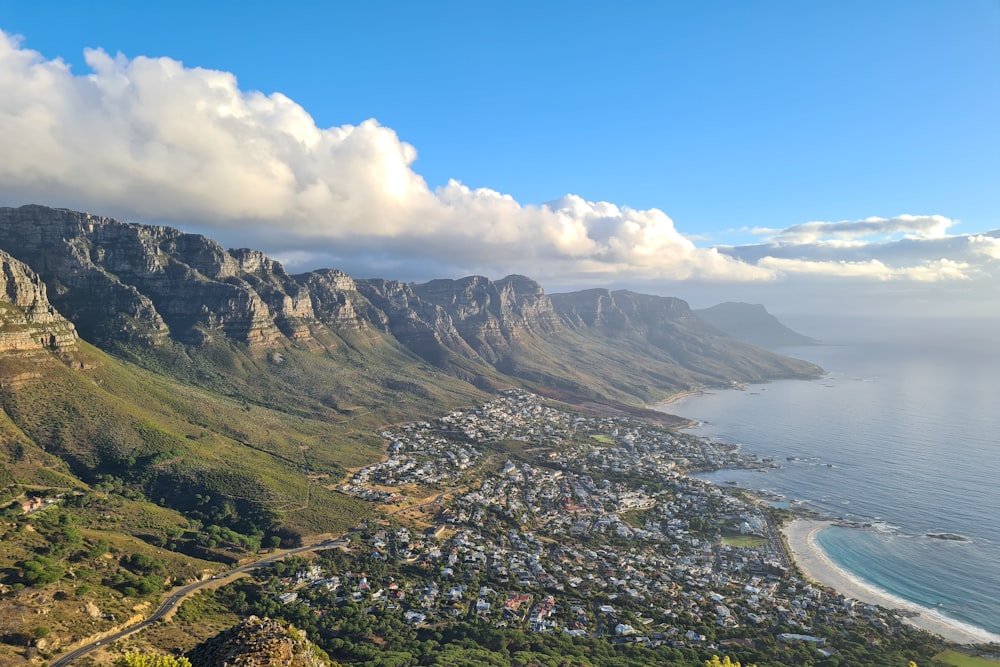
x=178 y=596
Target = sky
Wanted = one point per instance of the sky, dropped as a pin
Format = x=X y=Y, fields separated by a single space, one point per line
x=812 y=156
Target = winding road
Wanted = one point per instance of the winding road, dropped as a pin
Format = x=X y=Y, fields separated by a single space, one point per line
x=178 y=596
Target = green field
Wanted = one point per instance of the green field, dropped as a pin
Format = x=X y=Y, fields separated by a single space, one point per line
x=959 y=659
x=743 y=540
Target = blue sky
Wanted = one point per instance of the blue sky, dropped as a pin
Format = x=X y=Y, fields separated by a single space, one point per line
x=698 y=121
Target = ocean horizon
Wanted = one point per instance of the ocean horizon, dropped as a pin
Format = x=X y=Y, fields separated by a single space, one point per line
x=900 y=438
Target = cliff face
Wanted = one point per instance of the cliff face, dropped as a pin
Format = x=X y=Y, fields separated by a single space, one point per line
x=620 y=310
x=425 y=328
x=144 y=284
x=337 y=303
x=30 y=327
x=490 y=316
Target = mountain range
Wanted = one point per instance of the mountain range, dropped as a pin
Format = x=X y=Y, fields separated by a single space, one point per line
x=135 y=353
x=168 y=405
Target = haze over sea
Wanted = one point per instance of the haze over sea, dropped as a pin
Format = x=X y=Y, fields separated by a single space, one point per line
x=903 y=434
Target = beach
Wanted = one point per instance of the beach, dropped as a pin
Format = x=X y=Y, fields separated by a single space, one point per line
x=816 y=566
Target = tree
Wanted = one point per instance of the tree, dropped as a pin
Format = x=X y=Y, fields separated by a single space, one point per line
x=725 y=662
x=41 y=570
x=151 y=660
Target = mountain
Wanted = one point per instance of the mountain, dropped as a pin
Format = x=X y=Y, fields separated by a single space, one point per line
x=168 y=405
x=752 y=323
x=141 y=356
x=129 y=287
x=30 y=327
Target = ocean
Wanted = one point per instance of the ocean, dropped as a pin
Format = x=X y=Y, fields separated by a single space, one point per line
x=903 y=434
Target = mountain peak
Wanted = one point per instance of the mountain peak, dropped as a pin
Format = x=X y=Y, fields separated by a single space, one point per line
x=753 y=323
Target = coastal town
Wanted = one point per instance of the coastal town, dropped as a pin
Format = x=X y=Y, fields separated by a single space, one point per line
x=519 y=514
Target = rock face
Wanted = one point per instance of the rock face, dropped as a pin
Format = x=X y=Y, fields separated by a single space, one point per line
x=473 y=317
x=258 y=642
x=423 y=327
x=30 y=327
x=142 y=285
x=490 y=316
x=620 y=310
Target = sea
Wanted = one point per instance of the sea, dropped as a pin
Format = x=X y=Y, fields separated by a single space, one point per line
x=901 y=437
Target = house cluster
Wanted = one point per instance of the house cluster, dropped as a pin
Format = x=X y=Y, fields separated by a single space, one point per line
x=592 y=528
x=438 y=452
x=416 y=455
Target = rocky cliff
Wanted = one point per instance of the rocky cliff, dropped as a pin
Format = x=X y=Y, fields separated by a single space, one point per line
x=490 y=316
x=30 y=327
x=143 y=284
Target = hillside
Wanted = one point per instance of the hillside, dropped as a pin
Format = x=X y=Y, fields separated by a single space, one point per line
x=169 y=406
x=753 y=324
x=218 y=372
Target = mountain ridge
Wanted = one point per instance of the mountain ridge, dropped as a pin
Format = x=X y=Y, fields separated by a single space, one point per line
x=280 y=356
x=196 y=404
x=754 y=324
x=131 y=284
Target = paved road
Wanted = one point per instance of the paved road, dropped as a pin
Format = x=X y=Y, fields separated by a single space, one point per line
x=178 y=596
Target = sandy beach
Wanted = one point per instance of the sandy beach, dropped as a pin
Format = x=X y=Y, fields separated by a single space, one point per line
x=816 y=566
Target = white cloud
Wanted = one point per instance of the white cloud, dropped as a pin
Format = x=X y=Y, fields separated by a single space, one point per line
x=933 y=271
x=152 y=140
x=910 y=226
x=760 y=231
x=985 y=246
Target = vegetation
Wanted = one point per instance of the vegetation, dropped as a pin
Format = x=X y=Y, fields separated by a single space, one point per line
x=135 y=472
x=743 y=540
x=356 y=632
x=959 y=659
x=157 y=467
x=151 y=660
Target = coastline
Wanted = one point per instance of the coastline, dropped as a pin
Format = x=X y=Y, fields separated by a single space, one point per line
x=676 y=397
x=800 y=536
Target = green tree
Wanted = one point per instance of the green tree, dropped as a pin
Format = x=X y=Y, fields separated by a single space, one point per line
x=151 y=660
x=40 y=570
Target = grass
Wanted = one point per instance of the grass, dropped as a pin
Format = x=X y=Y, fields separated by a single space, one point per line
x=637 y=518
x=959 y=659
x=200 y=617
x=752 y=541
x=85 y=599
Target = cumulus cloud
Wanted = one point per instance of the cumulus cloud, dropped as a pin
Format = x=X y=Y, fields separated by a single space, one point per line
x=150 y=139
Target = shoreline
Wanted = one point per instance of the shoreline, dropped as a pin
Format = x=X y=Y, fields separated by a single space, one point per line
x=677 y=397
x=815 y=565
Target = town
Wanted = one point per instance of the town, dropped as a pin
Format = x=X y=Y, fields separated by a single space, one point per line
x=551 y=521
